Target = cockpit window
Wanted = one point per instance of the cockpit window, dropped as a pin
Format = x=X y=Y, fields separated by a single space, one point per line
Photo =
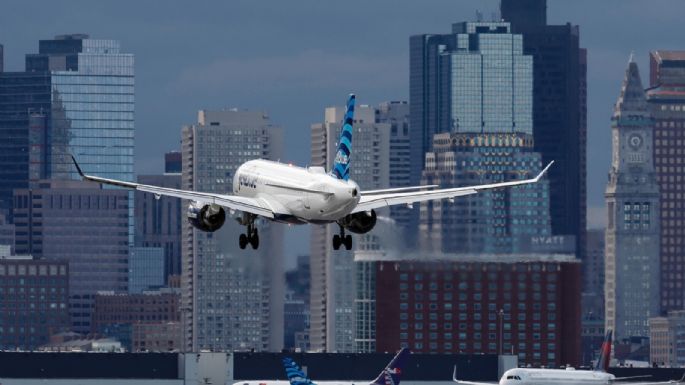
x=517 y=378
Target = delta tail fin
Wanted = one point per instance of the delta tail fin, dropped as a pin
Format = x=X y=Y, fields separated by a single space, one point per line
x=341 y=164
x=392 y=373
x=604 y=354
x=295 y=375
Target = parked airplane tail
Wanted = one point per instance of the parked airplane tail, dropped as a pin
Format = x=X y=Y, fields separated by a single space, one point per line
x=341 y=164
x=604 y=354
x=392 y=373
x=295 y=375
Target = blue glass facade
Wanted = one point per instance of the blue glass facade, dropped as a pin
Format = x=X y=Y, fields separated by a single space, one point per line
x=497 y=221
x=92 y=108
x=491 y=80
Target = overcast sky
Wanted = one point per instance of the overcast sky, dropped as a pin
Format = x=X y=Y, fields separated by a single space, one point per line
x=294 y=58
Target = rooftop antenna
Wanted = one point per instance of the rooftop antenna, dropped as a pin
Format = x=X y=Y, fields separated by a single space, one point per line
x=479 y=16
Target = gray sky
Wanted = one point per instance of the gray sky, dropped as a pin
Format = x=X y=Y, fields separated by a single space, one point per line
x=294 y=58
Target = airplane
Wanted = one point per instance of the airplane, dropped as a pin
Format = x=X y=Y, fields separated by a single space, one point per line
x=390 y=375
x=298 y=195
x=569 y=376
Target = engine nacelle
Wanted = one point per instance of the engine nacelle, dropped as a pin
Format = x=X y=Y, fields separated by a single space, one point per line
x=208 y=218
x=359 y=223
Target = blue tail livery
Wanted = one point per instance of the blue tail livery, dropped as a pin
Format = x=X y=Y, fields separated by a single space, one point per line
x=341 y=164
x=295 y=375
x=392 y=373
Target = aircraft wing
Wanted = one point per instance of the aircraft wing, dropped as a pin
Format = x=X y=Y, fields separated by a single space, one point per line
x=374 y=201
x=232 y=202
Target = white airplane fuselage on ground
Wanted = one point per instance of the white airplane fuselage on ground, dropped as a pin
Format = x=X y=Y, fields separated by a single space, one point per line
x=526 y=376
x=301 y=195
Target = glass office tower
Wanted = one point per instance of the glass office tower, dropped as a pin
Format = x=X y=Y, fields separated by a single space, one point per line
x=92 y=106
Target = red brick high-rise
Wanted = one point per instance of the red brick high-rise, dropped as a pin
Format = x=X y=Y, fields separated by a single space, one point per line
x=666 y=98
x=527 y=305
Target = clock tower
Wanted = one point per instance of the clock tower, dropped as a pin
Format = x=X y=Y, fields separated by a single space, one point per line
x=632 y=196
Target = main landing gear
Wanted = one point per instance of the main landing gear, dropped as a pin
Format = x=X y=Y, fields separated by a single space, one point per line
x=252 y=235
x=342 y=239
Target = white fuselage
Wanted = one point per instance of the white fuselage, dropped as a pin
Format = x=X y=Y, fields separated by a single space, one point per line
x=296 y=194
x=525 y=376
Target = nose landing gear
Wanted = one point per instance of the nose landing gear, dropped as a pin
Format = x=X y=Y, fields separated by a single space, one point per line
x=342 y=239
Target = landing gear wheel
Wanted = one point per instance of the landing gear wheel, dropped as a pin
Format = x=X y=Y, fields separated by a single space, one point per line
x=348 y=242
x=254 y=240
x=242 y=241
x=336 y=242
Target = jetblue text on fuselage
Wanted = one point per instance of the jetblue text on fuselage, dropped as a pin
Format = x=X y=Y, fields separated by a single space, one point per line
x=247 y=181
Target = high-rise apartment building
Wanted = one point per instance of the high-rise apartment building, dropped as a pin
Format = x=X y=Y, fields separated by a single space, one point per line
x=666 y=99
x=380 y=158
x=632 y=289
x=559 y=110
x=232 y=298
x=525 y=304
x=84 y=225
x=34 y=296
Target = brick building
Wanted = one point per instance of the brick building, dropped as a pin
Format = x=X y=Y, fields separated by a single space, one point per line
x=149 y=307
x=528 y=305
x=33 y=297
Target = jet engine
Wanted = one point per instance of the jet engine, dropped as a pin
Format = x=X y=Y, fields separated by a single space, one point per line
x=359 y=223
x=208 y=218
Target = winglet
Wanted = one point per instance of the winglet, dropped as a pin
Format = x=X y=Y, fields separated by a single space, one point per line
x=544 y=171
x=454 y=374
x=80 y=172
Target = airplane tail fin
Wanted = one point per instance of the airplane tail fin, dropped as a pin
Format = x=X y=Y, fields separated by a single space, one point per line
x=604 y=354
x=295 y=375
x=341 y=164
x=392 y=373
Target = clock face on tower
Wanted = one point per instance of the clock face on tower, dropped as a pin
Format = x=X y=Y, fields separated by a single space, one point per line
x=635 y=141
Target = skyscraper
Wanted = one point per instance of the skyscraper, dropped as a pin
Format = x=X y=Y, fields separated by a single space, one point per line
x=76 y=96
x=559 y=110
x=333 y=272
x=380 y=159
x=666 y=99
x=232 y=299
x=491 y=140
x=632 y=236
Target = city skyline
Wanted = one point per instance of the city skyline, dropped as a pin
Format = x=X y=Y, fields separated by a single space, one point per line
x=498 y=100
x=235 y=56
